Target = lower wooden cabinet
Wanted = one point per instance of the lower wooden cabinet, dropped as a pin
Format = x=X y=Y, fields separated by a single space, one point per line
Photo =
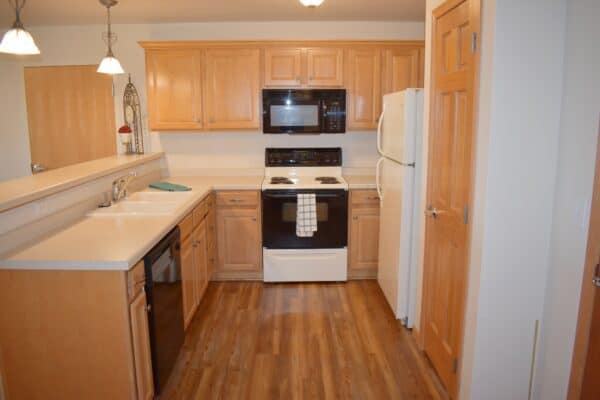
x=239 y=239
x=142 y=355
x=188 y=278
x=200 y=261
x=363 y=244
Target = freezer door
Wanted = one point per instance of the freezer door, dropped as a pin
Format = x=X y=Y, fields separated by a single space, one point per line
x=395 y=236
x=399 y=125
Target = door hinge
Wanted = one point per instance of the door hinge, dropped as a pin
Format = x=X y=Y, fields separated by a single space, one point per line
x=473 y=42
x=113 y=87
x=466 y=215
x=455 y=365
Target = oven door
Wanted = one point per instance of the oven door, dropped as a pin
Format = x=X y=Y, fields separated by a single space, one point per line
x=292 y=111
x=279 y=220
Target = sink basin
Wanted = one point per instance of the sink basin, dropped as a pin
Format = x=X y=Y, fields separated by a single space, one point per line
x=136 y=208
x=159 y=196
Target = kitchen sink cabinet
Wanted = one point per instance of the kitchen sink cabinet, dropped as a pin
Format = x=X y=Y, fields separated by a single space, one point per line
x=363 y=243
x=239 y=240
x=174 y=84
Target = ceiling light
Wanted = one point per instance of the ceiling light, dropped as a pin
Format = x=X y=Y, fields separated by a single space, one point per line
x=109 y=64
x=311 y=3
x=17 y=40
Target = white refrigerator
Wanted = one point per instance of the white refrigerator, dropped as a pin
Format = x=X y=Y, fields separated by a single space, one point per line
x=398 y=173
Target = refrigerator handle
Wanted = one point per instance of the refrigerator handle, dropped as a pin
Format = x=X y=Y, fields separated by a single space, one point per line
x=380 y=131
x=378 y=178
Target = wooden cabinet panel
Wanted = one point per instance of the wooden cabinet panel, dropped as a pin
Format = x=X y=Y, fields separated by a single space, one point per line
x=239 y=240
x=364 y=87
x=211 y=238
x=188 y=278
x=238 y=198
x=283 y=66
x=174 y=85
x=325 y=66
x=363 y=245
x=141 y=347
x=200 y=262
x=232 y=88
x=402 y=69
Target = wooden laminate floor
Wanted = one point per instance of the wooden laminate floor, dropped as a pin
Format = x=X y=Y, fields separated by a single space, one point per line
x=250 y=340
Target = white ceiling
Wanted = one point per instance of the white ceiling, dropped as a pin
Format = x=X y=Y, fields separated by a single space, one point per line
x=78 y=12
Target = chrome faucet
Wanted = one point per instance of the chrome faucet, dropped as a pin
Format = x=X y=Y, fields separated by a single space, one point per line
x=119 y=186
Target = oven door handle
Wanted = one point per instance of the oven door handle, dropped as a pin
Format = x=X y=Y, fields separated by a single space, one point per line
x=293 y=196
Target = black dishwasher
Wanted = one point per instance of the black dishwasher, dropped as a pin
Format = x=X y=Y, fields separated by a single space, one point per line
x=165 y=305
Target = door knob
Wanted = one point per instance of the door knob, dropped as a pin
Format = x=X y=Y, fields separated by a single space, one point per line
x=432 y=212
x=37 y=168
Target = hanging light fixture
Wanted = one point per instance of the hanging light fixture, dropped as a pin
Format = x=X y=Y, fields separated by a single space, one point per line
x=17 y=40
x=311 y=3
x=109 y=64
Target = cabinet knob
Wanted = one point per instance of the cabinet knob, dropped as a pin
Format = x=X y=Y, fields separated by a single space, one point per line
x=254 y=219
x=355 y=218
x=149 y=307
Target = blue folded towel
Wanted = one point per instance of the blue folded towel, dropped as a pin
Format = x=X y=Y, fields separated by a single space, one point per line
x=169 y=187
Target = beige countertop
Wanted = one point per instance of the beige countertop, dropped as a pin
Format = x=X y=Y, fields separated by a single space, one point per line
x=16 y=192
x=360 y=181
x=116 y=243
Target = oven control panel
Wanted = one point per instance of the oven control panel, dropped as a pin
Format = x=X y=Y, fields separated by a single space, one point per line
x=306 y=157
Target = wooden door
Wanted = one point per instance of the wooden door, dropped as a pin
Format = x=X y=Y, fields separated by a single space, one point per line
x=449 y=186
x=403 y=68
x=283 y=66
x=188 y=278
x=364 y=242
x=325 y=66
x=364 y=87
x=71 y=115
x=239 y=240
x=232 y=88
x=174 y=89
x=140 y=335
x=200 y=260
x=585 y=366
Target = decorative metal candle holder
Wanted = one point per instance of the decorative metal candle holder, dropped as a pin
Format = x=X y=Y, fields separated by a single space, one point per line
x=133 y=116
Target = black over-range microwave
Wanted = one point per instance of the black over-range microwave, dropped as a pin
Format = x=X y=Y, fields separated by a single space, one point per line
x=304 y=111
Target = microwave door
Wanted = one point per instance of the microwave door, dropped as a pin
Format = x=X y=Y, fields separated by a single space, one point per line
x=291 y=118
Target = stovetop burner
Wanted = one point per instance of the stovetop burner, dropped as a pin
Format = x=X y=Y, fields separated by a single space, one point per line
x=327 y=180
x=281 y=180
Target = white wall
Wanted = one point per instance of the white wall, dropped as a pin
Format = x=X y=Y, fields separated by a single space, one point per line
x=83 y=45
x=517 y=145
x=580 y=118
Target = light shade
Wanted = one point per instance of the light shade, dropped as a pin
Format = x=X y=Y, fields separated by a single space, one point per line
x=110 y=65
x=311 y=3
x=18 y=41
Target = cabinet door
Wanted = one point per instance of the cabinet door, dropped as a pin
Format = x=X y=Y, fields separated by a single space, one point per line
x=232 y=88
x=239 y=240
x=200 y=260
x=174 y=89
x=364 y=242
x=401 y=69
x=211 y=240
x=283 y=66
x=364 y=88
x=140 y=335
x=325 y=66
x=188 y=278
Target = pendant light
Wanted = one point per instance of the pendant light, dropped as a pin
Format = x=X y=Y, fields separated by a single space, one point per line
x=311 y=3
x=109 y=64
x=17 y=40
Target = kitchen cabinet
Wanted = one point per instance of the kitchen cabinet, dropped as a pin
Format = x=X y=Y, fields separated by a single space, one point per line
x=200 y=261
x=402 y=68
x=141 y=347
x=232 y=88
x=325 y=66
x=174 y=84
x=363 y=86
x=188 y=279
x=211 y=236
x=283 y=66
x=239 y=239
x=363 y=242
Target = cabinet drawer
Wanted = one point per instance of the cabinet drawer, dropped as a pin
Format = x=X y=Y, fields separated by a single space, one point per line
x=186 y=225
x=236 y=199
x=365 y=197
x=136 y=278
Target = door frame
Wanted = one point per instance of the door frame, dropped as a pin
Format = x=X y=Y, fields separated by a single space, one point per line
x=588 y=291
x=475 y=22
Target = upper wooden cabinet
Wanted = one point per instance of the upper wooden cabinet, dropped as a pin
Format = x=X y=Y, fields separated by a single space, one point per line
x=283 y=66
x=363 y=83
x=174 y=84
x=232 y=88
x=325 y=66
x=402 y=68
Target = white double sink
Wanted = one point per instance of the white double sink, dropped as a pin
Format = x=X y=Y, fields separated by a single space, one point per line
x=145 y=203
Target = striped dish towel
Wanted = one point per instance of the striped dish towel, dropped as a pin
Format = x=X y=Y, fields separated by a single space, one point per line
x=306 y=215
